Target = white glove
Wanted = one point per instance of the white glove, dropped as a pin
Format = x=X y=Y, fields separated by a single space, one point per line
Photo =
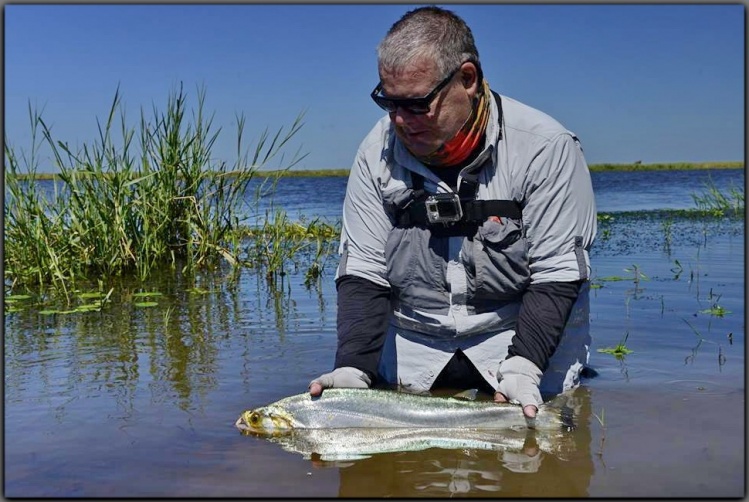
x=344 y=377
x=518 y=381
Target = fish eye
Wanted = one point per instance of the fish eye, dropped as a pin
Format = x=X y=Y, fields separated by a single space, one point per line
x=254 y=418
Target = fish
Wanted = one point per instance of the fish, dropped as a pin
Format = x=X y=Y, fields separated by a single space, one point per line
x=349 y=424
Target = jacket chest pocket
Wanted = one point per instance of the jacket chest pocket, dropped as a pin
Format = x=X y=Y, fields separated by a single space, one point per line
x=415 y=271
x=501 y=269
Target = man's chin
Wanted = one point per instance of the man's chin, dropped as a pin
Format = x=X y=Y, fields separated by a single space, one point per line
x=417 y=148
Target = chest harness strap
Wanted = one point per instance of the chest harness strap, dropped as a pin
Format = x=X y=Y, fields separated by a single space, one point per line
x=413 y=211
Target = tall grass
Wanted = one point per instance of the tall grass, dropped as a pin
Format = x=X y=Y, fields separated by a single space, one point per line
x=712 y=200
x=133 y=199
x=280 y=244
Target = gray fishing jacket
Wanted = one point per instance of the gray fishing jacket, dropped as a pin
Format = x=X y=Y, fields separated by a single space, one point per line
x=471 y=286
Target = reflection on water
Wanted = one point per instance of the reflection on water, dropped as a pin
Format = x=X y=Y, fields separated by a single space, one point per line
x=527 y=471
x=173 y=351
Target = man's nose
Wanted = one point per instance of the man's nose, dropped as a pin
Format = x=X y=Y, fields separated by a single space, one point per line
x=401 y=116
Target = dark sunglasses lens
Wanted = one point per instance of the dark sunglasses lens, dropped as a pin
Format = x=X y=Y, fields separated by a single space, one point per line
x=391 y=105
x=384 y=103
x=419 y=108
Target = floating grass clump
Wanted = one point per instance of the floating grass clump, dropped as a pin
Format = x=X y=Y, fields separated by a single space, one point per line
x=135 y=198
x=716 y=310
x=620 y=351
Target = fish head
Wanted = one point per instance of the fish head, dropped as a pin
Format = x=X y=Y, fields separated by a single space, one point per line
x=265 y=421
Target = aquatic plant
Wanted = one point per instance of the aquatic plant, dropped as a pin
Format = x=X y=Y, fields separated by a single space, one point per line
x=620 y=351
x=721 y=357
x=677 y=269
x=602 y=423
x=280 y=244
x=167 y=315
x=717 y=203
x=667 y=225
x=88 y=302
x=119 y=207
x=637 y=274
x=604 y=225
x=715 y=308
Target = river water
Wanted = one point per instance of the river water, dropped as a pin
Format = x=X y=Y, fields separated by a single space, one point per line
x=140 y=402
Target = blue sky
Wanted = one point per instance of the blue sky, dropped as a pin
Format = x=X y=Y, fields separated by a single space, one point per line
x=655 y=83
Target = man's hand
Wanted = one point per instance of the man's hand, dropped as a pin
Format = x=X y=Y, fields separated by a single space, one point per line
x=518 y=383
x=340 y=377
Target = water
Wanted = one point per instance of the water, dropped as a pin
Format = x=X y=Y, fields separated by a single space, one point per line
x=650 y=190
x=322 y=197
x=615 y=191
x=140 y=402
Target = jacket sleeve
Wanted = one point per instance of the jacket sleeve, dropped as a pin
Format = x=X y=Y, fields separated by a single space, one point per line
x=559 y=212
x=560 y=220
x=543 y=316
x=365 y=224
x=363 y=308
x=361 y=278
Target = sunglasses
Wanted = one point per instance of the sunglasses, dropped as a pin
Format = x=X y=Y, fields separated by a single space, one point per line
x=417 y=106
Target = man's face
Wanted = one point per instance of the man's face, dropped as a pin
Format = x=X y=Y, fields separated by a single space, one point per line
x=449 y=110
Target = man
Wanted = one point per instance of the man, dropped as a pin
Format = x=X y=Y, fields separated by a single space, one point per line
x=467 y=222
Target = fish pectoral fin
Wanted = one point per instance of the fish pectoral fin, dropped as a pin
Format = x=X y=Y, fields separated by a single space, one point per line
x=467 y=395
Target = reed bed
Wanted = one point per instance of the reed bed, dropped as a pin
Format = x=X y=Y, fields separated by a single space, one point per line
x=136 y=199
x=713 y=201
x=280 y=244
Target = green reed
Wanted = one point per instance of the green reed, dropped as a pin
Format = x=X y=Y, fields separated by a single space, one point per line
x=717 y=203
x=133 y=199
x=278 y=244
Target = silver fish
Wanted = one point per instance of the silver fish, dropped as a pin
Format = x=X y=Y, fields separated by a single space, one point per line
x=355 y=423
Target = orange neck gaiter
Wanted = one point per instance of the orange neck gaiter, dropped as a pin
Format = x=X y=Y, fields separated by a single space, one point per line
x=465 y=141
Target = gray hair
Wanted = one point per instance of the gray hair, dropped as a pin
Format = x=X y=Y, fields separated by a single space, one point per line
x=428 y=32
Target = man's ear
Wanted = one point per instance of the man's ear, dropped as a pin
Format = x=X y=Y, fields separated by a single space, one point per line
x=469 y=77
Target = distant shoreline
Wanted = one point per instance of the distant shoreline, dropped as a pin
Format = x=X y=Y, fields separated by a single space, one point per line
x=673 y=166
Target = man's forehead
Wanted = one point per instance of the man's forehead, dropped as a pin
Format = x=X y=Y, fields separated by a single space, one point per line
x=421 y=72
x=416 y=69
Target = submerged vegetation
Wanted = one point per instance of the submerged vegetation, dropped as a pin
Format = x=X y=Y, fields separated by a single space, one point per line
x=137 y=199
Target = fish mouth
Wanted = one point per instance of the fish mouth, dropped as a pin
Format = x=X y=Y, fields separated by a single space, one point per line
x=244 y=423
x=239 y=424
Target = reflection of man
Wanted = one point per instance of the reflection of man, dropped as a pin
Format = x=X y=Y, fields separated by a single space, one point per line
x=542 y=468
x=466 y=228
x=526 y=460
